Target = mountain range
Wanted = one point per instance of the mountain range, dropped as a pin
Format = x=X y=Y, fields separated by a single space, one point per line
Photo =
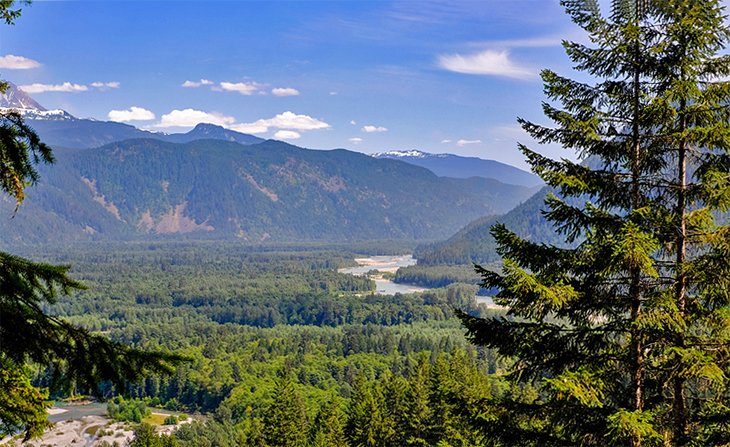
x=112 y=181
x=267 y=191
x=450 y=165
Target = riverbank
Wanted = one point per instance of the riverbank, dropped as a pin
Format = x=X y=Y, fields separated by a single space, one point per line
x=384 y=264
x=86 y=424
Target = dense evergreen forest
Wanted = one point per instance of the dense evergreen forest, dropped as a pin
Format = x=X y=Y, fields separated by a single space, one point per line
x=275 y=336
x=615 y=335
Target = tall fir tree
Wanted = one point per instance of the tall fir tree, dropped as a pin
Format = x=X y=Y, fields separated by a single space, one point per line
x=285 y=421
x=327 y=429
x=368 y=422
x=27 y=333
x=624 y=329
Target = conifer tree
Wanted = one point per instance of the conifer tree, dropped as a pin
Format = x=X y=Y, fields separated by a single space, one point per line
x=368 y=424
x=145 y=436
x=419 y=410
x=327 y=428
x=625 y=327
x=27 y=333
x=285 y=421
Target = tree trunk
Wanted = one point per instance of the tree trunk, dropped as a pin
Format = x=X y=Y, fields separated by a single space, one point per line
x=678 y=403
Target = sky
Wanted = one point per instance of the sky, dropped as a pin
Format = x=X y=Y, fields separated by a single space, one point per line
x=371 y=76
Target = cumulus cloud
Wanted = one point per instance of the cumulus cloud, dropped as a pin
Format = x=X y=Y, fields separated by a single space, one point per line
x=105 y=85
x=288 y=125
x=488 y=62
x=244 y=88
x=42 y=88
x=12 y=62
x=355 y=140
x=286 y=120
x=353 y=122
x=284 y=91
x=462 y=142
x=374 y=129
x=255 y=127
x=287 y=135
x=196 y=84
x=134 y=113
x=192 y=117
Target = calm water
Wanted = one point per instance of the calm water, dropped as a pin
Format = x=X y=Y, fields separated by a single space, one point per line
x=391 y=264
x=74 y=411
x=385 y=264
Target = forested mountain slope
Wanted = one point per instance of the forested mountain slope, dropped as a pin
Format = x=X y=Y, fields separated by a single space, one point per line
x=475 y=244
x=86 y=133
x=147 y=188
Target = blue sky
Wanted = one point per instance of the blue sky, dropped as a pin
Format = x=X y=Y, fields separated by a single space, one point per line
x=439 y=76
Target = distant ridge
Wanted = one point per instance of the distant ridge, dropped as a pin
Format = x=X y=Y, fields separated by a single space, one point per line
x=450 y=165
x=58 y=128
x=206 y=131
x=474 y=243
x=271 y=191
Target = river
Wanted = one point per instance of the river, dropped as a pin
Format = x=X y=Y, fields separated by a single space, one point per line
x=384 y=264
x=391 y=264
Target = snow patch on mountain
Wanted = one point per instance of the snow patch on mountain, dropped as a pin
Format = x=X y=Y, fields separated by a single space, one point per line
x=402 y=154
x=44 y=115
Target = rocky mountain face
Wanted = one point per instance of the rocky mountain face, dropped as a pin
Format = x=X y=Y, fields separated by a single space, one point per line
x=14 y=98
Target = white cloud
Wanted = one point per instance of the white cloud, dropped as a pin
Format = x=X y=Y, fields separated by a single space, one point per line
x=105 y=85
x=244 y=88
x=374 y=129
x=12 y=62
x=284 y=91
x=255 y=127
x=462 y=142
x=42 y=88
x=488 y=62
x=287 y=135
x=445 y=141
x=334 y=93
x=286 y=120
x=353 y=122
x=355 y=140
x=192 y=117
x=196 y=84
x=134 y=113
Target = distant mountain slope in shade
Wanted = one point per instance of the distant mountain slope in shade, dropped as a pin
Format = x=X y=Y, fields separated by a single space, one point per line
x=272 y=191
x=205 y=131
x=475 y=244
x=449 y=165
x=85 y=133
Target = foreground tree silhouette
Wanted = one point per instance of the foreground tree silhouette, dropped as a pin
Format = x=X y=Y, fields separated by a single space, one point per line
x=27 y=333
x=625 y=328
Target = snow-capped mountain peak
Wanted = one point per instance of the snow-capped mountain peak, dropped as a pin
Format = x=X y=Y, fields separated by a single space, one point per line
x=413 y=153
x=18 y=101
x=14 y=98
x=35 y=114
